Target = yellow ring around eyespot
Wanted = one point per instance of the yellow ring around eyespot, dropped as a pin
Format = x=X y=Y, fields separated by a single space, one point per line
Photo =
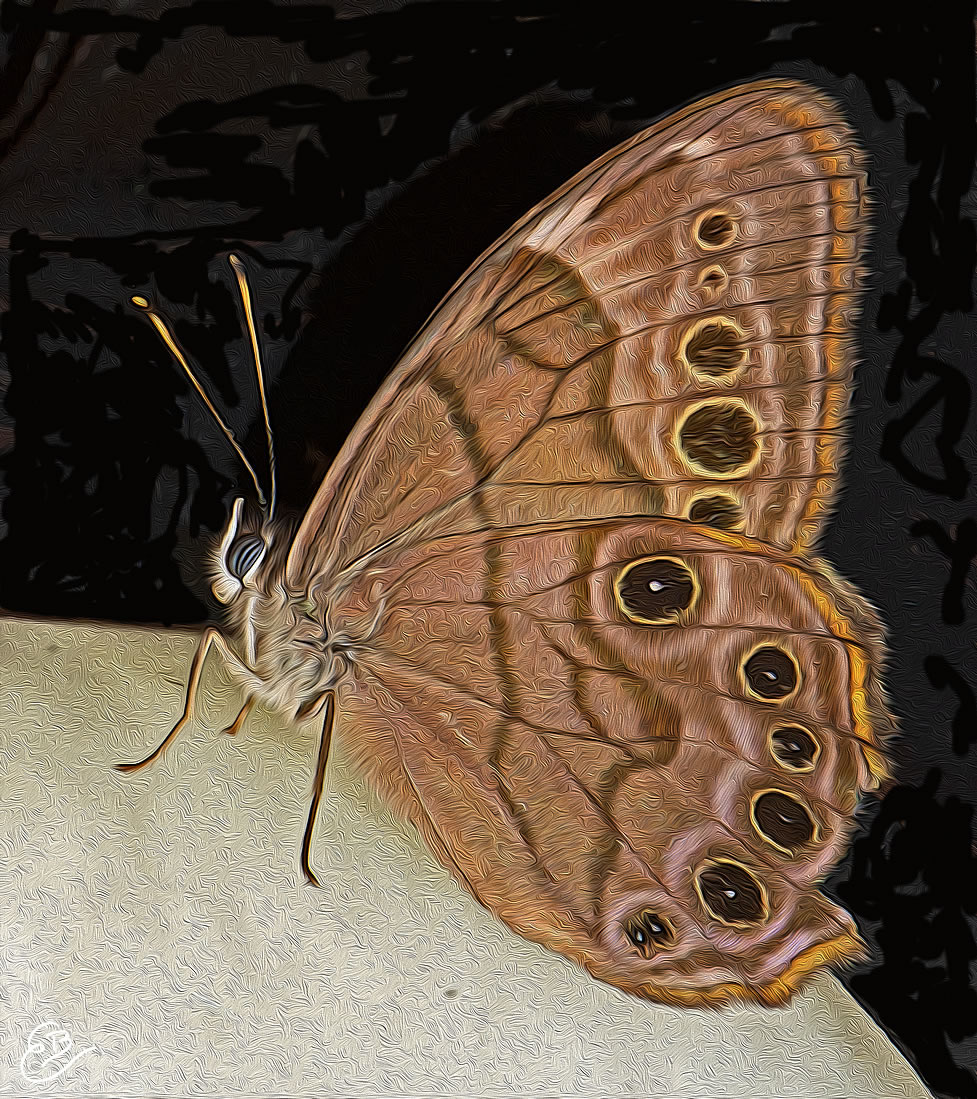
x=794 y=770
x=701 y=470
x=728 y=377
x=763 y=835
x=764 y=896
x=716 y=211
x=758 y=697
x=670 y=619
x=712 y=269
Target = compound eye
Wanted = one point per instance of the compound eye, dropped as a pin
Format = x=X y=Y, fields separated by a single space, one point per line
x=244 y=554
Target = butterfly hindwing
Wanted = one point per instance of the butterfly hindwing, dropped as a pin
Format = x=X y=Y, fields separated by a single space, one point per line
x=578 y=747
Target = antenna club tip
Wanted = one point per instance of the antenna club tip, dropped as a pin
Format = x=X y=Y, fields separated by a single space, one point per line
x=140 y=302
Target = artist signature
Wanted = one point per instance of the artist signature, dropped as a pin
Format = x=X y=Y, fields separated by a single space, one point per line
x=48 y=1053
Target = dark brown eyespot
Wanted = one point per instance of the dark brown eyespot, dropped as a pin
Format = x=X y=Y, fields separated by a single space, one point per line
x=715 y=230
x=714 y=347
x=783 y=820
x=794 y=748
x=731 y=893
x=771 y=674
x=655 y=590
x=720 y=437
x=649 y=932
x=717 y=511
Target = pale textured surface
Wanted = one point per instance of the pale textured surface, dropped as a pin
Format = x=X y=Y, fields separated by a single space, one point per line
x=160 y=917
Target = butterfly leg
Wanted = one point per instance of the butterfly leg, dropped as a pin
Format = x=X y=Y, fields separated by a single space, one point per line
x=235 y=726
x=210 y=637
x=320 y=774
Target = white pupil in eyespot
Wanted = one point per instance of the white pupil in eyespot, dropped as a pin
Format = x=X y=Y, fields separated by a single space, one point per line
x=656 y=585
x=731 y=893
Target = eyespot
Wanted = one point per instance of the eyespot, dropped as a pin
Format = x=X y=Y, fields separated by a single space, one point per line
x=244 y=554
x=719 y=511
x=713 y=279
x=649 y=932
x=731 y=893
x=655 y=590
x=794 y=748
x=771 y=674
x=714 y=229
x=714 y=347
x=782 y=820
x=720 y=438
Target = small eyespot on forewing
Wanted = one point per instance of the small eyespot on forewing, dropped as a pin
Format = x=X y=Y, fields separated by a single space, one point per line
x=771 y=674
x=715 y=229
x=722 y=512
x=714 y=347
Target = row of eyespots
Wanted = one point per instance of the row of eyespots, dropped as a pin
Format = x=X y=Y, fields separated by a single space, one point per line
x=714 y=348
x=729 y=893
x=659 y=591
x=718 y=438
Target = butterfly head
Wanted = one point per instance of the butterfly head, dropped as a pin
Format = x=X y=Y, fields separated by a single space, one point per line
x=240 y=555
x=279 y=635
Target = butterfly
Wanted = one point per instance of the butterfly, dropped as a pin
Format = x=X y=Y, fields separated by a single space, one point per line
x=558 y=593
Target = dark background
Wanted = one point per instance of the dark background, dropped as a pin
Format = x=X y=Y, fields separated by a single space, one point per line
x=360 y=156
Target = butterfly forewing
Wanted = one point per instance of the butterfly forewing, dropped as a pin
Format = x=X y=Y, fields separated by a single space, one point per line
x=596 y=666
x=704 y=269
